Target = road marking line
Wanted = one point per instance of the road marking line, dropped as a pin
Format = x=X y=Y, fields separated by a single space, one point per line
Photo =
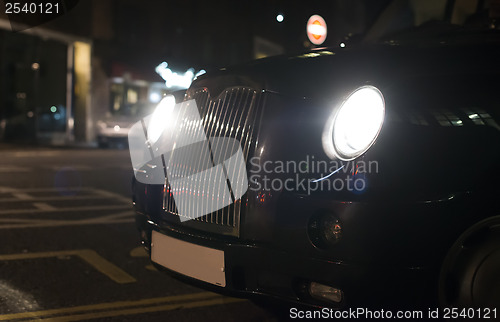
x=37 y=153
x=106 y=267
x=141 y=252
x=97 y=192
x=150 y=268
x=7 y=190
x=90 y=256
x=121 y=215
x=141 y=306
x=14 y=169
x=21 y=196
x=167 y=307
x=38 y=224
x=138 y=252
x=75 y=167
x=57 y=198
x=110 y=194
x=31 y=221
x=44 y=206
x=46 y=189
x=107 y=218
x=109 y=305
x=66 y=209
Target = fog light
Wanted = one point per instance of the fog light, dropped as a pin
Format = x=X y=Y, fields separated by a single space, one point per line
x=324 y=230
x=331 y=229
x=325 y=293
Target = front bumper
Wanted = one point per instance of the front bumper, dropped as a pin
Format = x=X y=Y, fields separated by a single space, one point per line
x=253 y=270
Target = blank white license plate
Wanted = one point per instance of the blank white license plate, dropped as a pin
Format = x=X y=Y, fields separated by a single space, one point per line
x=200 y=262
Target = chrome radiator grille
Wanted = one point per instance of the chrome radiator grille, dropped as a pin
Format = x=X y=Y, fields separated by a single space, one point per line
x=235 y=113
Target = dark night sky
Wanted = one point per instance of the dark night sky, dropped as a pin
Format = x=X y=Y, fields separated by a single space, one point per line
x=207 y=34
x=204 y=34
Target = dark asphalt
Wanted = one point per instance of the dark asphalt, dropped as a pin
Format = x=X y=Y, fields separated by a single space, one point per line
x=69 y=248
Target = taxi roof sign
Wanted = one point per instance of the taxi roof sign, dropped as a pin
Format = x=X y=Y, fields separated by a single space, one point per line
x=316 y=29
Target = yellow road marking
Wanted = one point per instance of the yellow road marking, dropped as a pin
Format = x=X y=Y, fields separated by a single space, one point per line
x=139 y=252
x=67 y=209
x=150 y=268
x=110 y=194
x=22 y=196
x=185 y=299
x=102 y=265
x=61 y=223
x=11 y=190
x=44 y=206
x=106 y=267
x=167 y=307
x=14 y=169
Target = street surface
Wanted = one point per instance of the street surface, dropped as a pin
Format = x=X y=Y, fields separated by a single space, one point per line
x=69 y=249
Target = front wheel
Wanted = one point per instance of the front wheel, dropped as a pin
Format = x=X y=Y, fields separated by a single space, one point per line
x=470 y=274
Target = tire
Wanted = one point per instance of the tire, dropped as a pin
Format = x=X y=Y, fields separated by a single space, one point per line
x=470 y=274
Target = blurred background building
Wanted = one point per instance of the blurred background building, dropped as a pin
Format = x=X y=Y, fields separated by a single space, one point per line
x=98 y=57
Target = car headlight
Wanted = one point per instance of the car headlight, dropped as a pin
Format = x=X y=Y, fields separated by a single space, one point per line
x=355 y=125
x=160 y=118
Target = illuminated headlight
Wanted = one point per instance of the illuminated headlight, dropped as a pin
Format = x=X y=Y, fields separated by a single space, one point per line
x=160 y=118
x=355 y=125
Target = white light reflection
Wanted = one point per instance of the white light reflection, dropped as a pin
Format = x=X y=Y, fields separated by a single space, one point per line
x=173 y=79
x=328 y=176
x=160 y=118
x=154 y=97
x=15 y=299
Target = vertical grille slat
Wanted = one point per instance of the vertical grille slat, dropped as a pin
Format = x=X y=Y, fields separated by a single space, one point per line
x=233 y=113
x=218 y=124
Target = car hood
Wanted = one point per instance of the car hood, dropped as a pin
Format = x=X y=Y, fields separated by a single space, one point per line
x=325 y=73
x=442 y=109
